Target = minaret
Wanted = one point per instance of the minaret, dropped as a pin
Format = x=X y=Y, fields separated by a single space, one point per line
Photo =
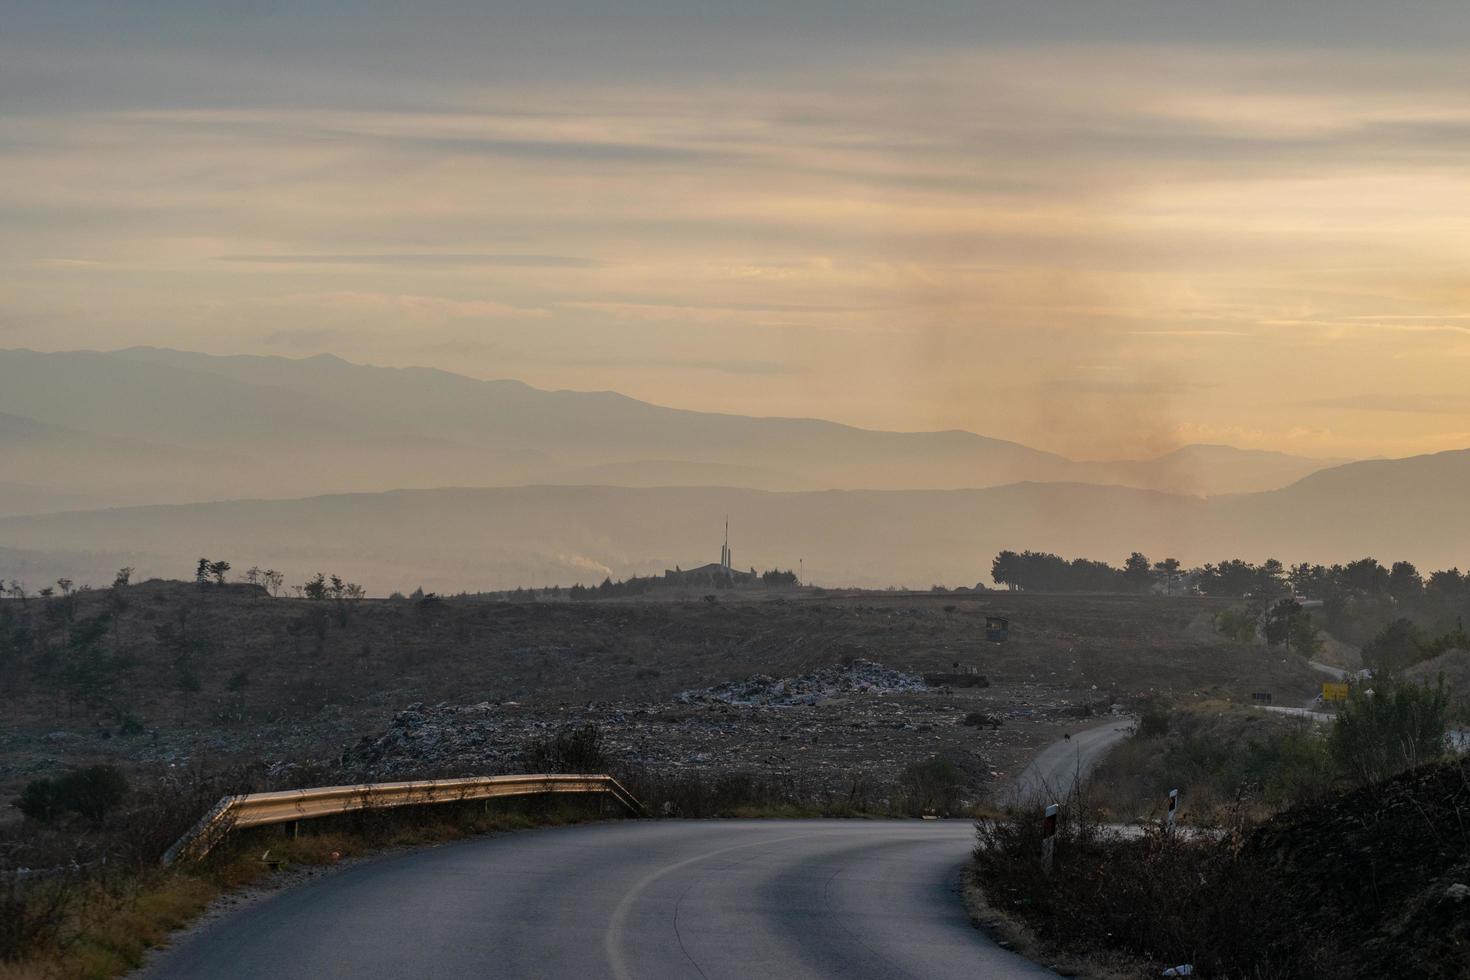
x=725 y=558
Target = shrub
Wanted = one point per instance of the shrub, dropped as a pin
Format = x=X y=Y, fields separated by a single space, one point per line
x=1282 y=768
x=1398 y=645
x=1238 y=624
x=92 y=792
x=29 y=921
x=1153 y=721
x=931 y=786
x=573 y=749
x=1394 y=727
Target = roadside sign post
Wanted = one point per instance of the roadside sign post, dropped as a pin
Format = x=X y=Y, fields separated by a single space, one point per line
x=1173 y=810
x=1049 y=836
x=1334 y=691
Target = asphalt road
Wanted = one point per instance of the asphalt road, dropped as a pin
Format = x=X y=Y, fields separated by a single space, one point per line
x=1057 y=767
x=642 y=899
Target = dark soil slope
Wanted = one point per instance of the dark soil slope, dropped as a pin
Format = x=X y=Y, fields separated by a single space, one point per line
x=1377 y=878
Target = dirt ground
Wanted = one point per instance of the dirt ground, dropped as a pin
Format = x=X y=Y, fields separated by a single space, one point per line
x=290 y=681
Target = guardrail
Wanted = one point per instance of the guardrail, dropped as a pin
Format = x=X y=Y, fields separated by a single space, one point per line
x=261 y=809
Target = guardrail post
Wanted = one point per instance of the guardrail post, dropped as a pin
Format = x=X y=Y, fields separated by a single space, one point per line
x=1049 y=836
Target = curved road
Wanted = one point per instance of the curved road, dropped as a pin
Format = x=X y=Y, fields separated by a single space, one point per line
x=641 y=899
x=1056 y=768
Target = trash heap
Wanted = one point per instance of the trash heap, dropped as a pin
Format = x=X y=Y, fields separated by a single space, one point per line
x=835 y=680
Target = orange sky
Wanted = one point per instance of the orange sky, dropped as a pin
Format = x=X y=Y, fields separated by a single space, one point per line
x=1090 y=245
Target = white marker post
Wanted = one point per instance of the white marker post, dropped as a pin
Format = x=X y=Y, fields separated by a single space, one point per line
x=1173 y=809
x=1049 y=836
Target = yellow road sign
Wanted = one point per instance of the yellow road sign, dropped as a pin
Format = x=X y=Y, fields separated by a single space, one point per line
x=1334 y=691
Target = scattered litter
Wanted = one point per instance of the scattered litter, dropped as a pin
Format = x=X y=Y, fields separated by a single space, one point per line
x=858 y=677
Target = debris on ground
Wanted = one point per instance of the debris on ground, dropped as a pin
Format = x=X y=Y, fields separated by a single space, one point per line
x=837 y=680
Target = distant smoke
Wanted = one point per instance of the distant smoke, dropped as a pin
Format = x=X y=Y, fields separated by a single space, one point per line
x=585 y=564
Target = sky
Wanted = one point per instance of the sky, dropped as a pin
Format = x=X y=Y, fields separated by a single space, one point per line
x=1099 y=228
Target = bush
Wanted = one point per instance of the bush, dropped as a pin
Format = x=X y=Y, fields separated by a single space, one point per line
x=1398 y=645
x=1350 y=887
x=1282 y=768
x=92 y=792
x=1238 y=624
x=29 y=921
x=571 y=750
x=931 y=786
x=1153 y=721
x=1394 y=727
x=1162 y=898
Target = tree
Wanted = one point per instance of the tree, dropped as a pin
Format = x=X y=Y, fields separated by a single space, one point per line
x=316 y=588
x=1167 y=571
x=1269 y=578
x=272 y=580
x=1279 y=620
x=217 y=569
x=1229 y=578
x=201 y=572
x=1446 y=586
x=252 y=575
x=1308 y=580
x=1404 y=583
x=1137 y=572
x=1003 y=569
x=1304 y=637
x=123 y=578
x=1365 y=576
x=1398 y=645
x=1238 y=624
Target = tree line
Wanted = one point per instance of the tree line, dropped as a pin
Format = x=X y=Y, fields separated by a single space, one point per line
x=1234 y=577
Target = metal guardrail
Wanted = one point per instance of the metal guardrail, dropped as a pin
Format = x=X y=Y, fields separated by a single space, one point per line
x=261 y=809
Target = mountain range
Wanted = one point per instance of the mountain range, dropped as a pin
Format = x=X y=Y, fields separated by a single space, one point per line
x=406 y=477
x=147 y=425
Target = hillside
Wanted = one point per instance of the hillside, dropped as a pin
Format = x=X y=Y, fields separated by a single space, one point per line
x=492 y=538
x=295 y=680
x=279 y=428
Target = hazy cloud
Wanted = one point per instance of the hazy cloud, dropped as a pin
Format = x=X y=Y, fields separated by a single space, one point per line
x=1414 y=404
x=905 y=218
x=420 y=259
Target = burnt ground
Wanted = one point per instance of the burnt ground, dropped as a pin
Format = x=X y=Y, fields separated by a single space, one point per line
x=162 y=675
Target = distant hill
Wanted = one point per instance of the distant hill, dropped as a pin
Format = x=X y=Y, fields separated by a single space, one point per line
x=146 y=424
x=453 y=539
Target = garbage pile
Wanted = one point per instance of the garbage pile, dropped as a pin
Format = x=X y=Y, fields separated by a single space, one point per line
x=836 y=680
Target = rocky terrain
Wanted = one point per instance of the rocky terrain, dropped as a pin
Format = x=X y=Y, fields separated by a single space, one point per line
x=837 y=727
x=820 y=687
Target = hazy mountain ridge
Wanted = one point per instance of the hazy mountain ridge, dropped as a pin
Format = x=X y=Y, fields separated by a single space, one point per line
x=282 y=428
x=487 y=538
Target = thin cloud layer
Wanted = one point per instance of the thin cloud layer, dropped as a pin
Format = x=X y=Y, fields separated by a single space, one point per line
x=1101 y=244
